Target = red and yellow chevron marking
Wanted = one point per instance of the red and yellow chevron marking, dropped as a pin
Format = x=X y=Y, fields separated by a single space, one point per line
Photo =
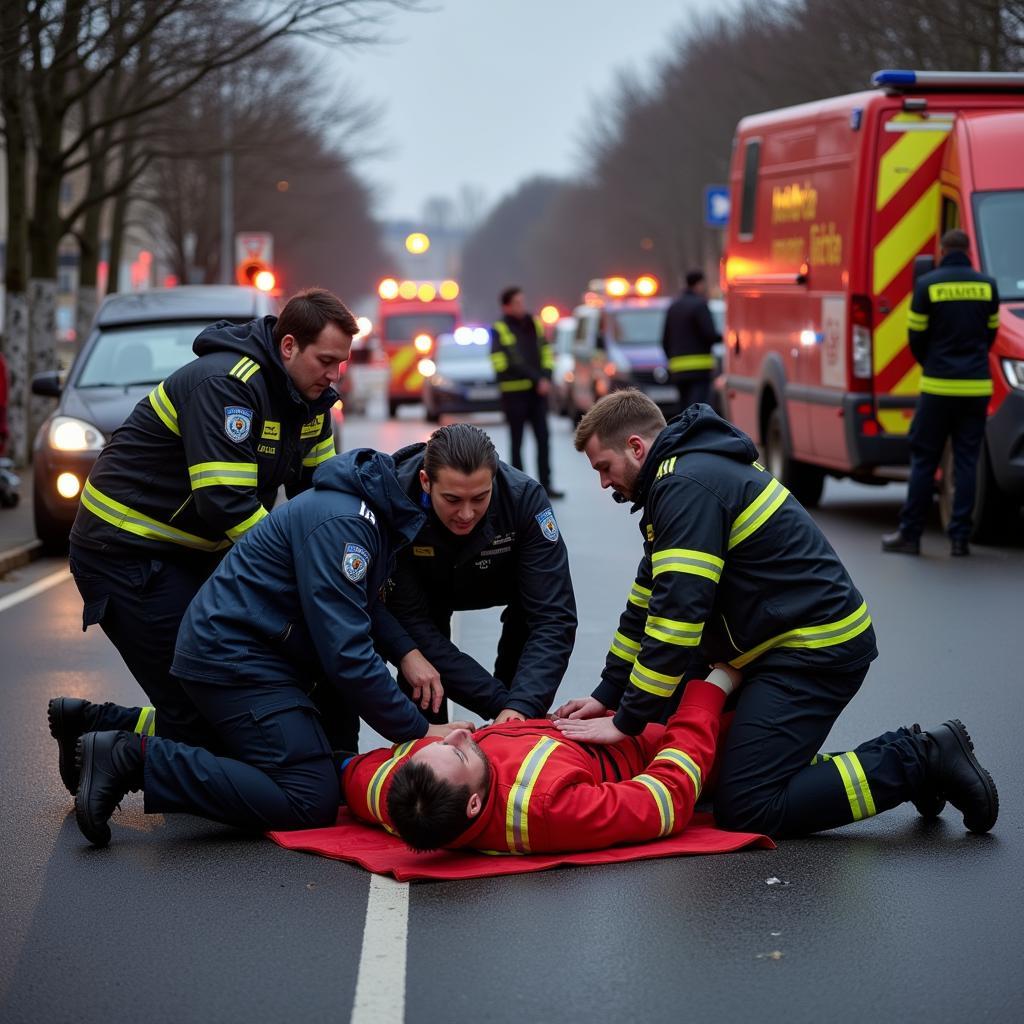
x=405 y=378
x=906 y=223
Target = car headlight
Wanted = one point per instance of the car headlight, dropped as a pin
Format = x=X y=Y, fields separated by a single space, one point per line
x=1013 y=370
x=67 y=434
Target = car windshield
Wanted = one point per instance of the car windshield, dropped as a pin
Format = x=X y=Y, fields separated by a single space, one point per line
x=405 y=326
x=138 y=354
x=1000 y=222
x=451 y=353
x=639 y=326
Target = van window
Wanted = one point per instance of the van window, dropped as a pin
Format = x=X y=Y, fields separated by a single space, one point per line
x=751 y=164
x=950 y=214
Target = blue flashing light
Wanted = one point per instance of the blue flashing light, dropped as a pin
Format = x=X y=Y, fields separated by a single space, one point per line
x=882 y=78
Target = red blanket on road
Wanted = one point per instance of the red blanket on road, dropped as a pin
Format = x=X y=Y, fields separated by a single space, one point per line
x=379 y=851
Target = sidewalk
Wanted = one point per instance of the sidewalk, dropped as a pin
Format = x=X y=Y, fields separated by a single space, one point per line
x=18 y=543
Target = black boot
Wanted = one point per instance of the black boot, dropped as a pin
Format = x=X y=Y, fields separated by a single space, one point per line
x=954 y=771
x=69 y=717
x=929 y=801
x=959 y=548
x=901 y=544
x=110 y=764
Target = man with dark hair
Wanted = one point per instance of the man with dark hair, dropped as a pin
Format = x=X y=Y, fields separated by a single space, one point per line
x=490 y=540
x=687 y=338
x=523 y=362
x=195 y=466
x=292 y=603
x=952 y=324
x=523 y=787
x=735 y=570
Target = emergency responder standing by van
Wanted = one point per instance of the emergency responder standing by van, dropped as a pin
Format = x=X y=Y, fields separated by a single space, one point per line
x=952 y=324
x=735 y=570
x=687 y=338
x=195 y=466
x=490 y=540
x=523 y=362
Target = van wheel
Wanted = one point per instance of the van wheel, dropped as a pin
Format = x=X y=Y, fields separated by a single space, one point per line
x=803 y=480
x=995 y=515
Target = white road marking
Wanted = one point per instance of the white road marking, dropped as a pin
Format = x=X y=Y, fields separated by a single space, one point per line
x=380 y=983
x=33 y=589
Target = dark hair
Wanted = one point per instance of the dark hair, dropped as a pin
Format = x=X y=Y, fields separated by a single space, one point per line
x=427 y=812
x=508 y=294
x=616 y=417
x=460 y=446
x=308 y=312
x=694 y=277
x=955 y=240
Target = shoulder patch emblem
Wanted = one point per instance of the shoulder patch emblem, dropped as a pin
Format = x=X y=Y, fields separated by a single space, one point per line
x=367 y=513
x=548 y=526
x=423 y=551
x=237 y=422
x=355 y=562
x=271 y=430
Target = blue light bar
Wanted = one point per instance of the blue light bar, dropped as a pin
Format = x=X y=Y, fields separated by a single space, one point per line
x=882 y=78
x=992 y=81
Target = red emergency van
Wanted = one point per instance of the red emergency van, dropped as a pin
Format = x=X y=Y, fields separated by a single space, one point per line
x=833 y=203
x=410 y=317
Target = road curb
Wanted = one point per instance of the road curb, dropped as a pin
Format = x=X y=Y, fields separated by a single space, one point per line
x=15 y=558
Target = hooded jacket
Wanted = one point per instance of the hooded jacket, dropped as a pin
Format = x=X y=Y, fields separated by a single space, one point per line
x=199 y=461
x=515 y=556
x=688 y=337
x=549 y=793
x=294 y=601
x=734 y=569
x=952 y=324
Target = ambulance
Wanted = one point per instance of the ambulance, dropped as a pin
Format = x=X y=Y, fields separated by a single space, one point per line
x=410 y=317
x=837 y=205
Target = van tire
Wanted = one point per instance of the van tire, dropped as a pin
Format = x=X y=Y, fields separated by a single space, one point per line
x=804 y=481
x=995 y=515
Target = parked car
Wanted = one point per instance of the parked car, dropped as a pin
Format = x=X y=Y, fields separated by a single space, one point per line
x=459 y=376
x=565 y=365
x=137 y=339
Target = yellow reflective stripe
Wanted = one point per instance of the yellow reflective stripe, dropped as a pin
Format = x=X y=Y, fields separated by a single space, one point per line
x=244 y=369
x=960 y=291
x=515 y=385
x=649 y=681
x=956 y=388
x=699 y=563
x=124 y=518
x=517 y=812
x=547 y=357
x=858 y=792
x=227 y=474
x=680 y=364
x=829 y=634
x=499 y=360
x=624 y=648
x=640 y=596
x=504 y=332
x=662 y=799
x=245 y=525
x=917 y=321
x=164 y=408
x=671 y=631
x=993 y=321
x=665 y=468
x=146 y=724
x=320 y=453
x=682 y=760
x=758 y=512
x=376 y=786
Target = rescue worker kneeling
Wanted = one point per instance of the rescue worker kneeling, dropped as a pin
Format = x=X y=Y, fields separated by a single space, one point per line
x=522 y=787
x=291 y=603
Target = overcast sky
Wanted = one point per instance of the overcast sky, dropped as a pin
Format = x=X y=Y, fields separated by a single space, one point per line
x=490 y=92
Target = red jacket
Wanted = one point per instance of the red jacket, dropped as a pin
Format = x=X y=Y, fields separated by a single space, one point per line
x=549 y=793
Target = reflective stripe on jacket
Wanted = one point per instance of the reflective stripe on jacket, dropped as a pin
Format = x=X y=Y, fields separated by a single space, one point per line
x=518 y=366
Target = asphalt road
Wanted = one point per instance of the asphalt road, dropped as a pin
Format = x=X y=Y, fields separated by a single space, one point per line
x=893 y=919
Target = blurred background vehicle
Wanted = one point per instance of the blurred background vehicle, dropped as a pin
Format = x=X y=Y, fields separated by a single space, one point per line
x=459 y=377
x=565 y=364
x=137 y=340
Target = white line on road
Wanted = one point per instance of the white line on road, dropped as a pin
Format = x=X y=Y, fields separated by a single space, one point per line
x=34 y=588
x=380 y=983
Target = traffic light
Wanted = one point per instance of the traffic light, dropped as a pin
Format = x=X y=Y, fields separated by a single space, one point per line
x=256 y=273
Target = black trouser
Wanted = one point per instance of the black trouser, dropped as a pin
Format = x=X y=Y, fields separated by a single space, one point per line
x=938 y=418
x=276 y=771
x=139 y=603
x=772 y=778
x=520 y=408
x=693 y=390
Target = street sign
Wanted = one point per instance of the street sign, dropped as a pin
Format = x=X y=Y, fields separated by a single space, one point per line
x=716 y=206
x=254 y=247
